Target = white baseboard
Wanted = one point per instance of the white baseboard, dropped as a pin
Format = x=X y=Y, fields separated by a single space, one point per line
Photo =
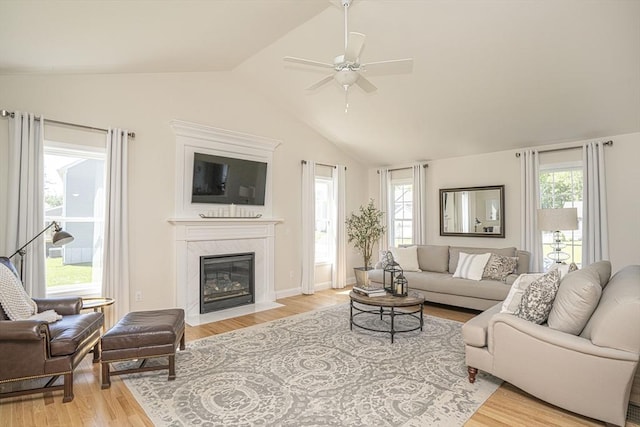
x=288 y=293
x=285 y=293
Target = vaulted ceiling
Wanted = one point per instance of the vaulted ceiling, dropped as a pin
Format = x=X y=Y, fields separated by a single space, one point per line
x=487 y=75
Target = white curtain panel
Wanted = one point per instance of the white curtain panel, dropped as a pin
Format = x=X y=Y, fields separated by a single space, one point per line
x=115 y=275
x=25 y=193
x=308 y=226
x=339 y=270
x=419 y=205
x=384 y=176
x=595 y=234
x=530 y=236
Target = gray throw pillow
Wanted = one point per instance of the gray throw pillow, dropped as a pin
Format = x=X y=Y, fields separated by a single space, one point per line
x=537 y=299
x=577 y=298
x=499 y=267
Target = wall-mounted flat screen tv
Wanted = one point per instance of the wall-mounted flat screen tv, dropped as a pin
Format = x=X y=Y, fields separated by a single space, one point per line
x=226 y=180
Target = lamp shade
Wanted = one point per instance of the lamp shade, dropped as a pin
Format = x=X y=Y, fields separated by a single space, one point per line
x=558 y=219
x=61 y=238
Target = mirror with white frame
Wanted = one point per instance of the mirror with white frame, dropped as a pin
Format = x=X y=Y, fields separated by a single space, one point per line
x=472 y=211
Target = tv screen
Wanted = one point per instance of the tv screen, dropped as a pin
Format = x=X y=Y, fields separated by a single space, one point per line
x=226 y=180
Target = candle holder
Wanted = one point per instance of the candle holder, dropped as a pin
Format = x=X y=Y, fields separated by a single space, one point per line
x=389 y=274
x=400 y=286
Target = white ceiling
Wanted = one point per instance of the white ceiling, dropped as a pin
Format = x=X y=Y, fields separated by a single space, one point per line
x=487 y=75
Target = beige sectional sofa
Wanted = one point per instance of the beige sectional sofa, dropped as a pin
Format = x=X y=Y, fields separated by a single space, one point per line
x=590 y=372
x=437 y=284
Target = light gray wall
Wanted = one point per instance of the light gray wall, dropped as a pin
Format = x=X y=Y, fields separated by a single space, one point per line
x=145 y=103
x=623 y=188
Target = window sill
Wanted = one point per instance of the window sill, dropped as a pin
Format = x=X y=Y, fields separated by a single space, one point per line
x=77 y=290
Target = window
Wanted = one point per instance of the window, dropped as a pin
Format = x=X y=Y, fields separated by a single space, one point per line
x=324 y=224
x=401 y=212
x=561 y=187
x=74 y=196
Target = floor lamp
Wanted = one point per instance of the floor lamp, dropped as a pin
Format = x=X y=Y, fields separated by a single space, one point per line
x=60 y=238
x=556 y=220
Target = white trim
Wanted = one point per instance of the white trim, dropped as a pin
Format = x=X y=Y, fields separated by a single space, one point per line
x=561 y=166
x=292 y=292
x=322 y=286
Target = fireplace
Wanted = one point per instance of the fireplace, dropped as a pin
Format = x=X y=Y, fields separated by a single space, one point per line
x=226 y=281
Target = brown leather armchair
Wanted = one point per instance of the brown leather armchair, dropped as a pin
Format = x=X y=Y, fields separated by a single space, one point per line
x=33 y=349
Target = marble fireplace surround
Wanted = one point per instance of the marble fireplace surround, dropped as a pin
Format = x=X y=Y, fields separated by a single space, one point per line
x=223 y=236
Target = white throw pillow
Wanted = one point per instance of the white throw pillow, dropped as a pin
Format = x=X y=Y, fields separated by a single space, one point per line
x=471 y=266
x=518 y=287
x=406 y=257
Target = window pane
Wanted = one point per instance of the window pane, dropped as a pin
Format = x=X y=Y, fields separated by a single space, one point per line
x=324 y=227
x=562 y=188
x=74 y=197
x=402 y=213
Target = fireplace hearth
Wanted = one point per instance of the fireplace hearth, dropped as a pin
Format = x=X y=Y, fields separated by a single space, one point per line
x=226 y=281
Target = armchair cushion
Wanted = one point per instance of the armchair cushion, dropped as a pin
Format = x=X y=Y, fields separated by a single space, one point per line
x=68 y=334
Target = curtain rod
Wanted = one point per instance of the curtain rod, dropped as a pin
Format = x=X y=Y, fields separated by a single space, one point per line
x=609 y=143
x=304 y=162
x=426 y=165
x=5 y=113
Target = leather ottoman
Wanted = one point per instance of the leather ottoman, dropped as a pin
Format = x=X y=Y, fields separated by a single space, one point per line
x=143 y=335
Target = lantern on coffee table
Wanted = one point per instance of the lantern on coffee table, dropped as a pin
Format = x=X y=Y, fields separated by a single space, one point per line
x=400 y=286
x=389 y=274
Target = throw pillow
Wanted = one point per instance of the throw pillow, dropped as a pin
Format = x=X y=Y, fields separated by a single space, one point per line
x=537 y=299
x=386 y=258
x=407 y=258
x=15 y=301
x=564 y=269
x=577 y=298
x=499 y=267
x=512 y=301
x=471 y=266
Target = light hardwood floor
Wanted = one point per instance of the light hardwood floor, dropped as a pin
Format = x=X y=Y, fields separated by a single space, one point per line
x=508 y=406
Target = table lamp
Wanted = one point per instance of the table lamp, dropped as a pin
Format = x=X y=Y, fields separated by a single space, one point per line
x=556 y=220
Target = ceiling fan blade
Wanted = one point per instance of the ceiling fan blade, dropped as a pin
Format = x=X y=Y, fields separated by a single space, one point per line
x=394 y=66
x=307 y=62
x=355 y=43
x=321 y=83
x=365 y=84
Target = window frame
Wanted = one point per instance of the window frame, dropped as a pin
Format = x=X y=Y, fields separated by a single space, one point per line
x=330 y=221
x=393 y=183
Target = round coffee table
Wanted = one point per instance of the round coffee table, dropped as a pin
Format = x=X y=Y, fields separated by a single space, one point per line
x=386 y=306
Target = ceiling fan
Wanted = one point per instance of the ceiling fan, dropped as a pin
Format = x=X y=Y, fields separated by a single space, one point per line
x=347 y=67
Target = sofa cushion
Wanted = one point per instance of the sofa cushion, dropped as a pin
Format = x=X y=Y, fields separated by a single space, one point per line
x=471 y=266
x=577 y=298
x=454 y=254
x=445 y=283
x=406 y=257
x=70 y=332
x=433 y=258
x=512 y=301
x=537 y=299
x=499 y=267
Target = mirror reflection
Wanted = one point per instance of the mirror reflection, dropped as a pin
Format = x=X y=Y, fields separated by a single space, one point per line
x=472 y=211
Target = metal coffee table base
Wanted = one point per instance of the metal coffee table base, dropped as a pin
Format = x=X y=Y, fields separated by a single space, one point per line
x=386 y=311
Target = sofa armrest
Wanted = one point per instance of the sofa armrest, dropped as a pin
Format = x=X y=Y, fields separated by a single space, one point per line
x=23 y=330
x=554 y=337
x=64 y=306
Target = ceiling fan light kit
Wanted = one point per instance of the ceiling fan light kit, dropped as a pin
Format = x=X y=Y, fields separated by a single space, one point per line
x=347 y=69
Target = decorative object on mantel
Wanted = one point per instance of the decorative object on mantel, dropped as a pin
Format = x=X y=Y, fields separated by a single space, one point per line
x=556 y=220
x=364 y=230
x=253 y=215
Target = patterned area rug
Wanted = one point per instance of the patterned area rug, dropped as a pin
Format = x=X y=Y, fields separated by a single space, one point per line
x=312 y=370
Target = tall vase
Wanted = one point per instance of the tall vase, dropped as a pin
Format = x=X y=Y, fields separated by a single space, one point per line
x=362 y=276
